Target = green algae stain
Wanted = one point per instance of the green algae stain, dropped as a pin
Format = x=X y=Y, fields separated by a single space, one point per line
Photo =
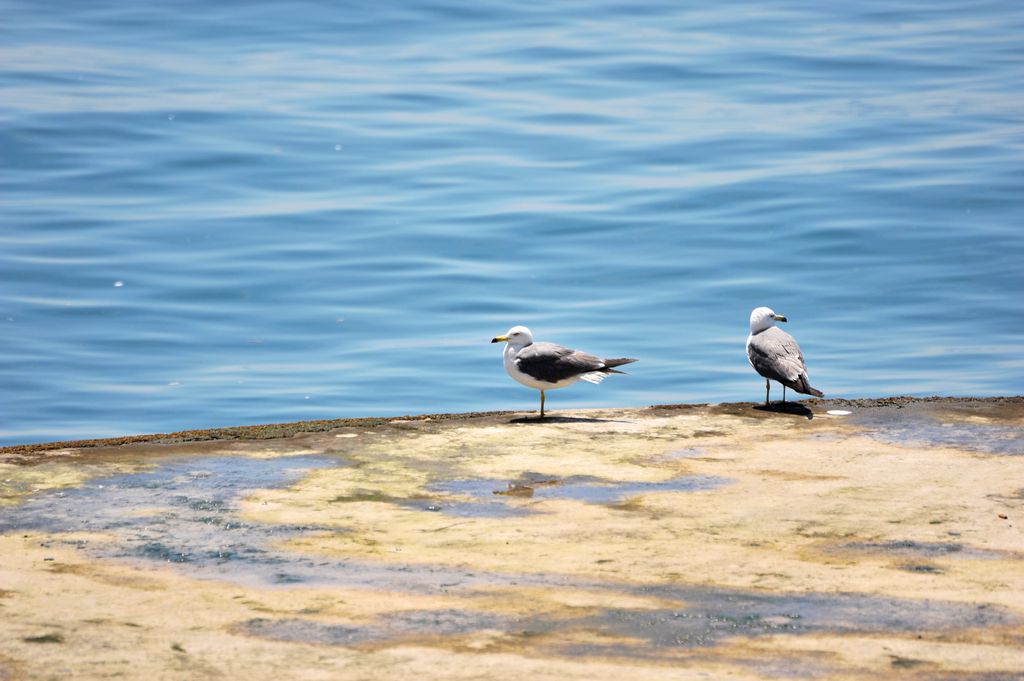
x=360 y=496
x=44 y=638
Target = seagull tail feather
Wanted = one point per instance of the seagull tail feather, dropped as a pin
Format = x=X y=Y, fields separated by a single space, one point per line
x=801 y=385
x=806 y=388
x=615 y=362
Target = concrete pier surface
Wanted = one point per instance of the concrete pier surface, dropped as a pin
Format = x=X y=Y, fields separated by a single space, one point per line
x=670 y=542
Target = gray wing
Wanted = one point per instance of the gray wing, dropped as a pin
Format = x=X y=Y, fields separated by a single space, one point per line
x=776 y=355
x=552 y=363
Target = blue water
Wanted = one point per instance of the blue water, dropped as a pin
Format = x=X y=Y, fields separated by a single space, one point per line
x=240 y=212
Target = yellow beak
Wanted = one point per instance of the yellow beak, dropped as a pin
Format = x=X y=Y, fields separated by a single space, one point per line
x=781 y=318
x=499 y=339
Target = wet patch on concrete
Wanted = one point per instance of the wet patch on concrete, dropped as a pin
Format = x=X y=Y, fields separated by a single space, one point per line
x=986 y=438
x=922 y=568
x=431 y=503
x=393 y=627
x=500 y=497
x=991 y=426
x=915 y=549
x=685 y=453
x=183 y=511
x=728 y=612
x=704 y=618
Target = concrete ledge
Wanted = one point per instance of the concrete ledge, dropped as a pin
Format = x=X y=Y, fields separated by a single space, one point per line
x=668 y=542
x=282 y=430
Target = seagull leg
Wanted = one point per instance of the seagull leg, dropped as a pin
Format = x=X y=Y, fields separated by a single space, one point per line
x=767 y=391
x=542 y=404
x=783 y=393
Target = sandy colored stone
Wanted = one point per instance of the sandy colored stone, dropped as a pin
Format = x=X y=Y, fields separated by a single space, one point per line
x=745 y=544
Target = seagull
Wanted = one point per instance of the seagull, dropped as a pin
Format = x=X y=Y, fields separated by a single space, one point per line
x=775 y=355
x=547 y=366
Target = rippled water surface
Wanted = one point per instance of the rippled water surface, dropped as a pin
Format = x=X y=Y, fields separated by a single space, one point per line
x=240 y=212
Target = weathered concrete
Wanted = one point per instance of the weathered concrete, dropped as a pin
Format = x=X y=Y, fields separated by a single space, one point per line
x=672 y=542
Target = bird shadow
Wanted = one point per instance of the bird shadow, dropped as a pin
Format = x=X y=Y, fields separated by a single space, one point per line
x=537 y=420
x=793 y=408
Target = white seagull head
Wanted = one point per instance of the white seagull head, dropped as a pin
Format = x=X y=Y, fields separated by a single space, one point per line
x=764 y=318
x=517 y=336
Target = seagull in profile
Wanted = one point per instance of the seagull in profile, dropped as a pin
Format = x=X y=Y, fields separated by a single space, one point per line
x=547 y=366
x=775 y=355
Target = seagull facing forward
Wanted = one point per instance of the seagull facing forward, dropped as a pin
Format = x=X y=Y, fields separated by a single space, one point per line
x=775 y=355
x=547 y=366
